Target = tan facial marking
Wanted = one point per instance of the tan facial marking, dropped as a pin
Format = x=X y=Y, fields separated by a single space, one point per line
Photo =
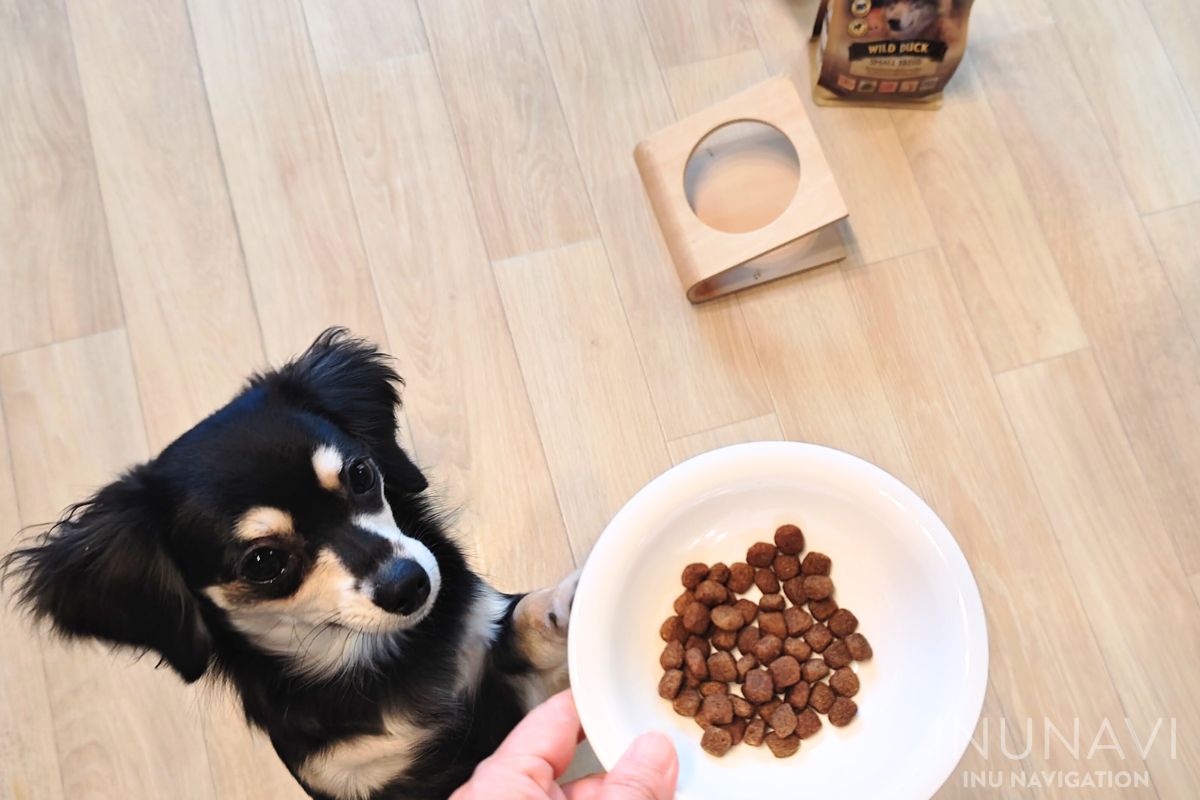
x=262 y=521
x=327 y=463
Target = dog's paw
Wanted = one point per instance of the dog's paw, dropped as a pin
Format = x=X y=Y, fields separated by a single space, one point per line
x=541 y=621
x=558 y=612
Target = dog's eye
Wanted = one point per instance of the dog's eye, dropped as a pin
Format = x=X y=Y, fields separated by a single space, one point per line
x=264 y=564
x=361 y=476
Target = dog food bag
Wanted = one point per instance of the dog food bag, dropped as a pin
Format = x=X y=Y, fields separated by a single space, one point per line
x=888 y=52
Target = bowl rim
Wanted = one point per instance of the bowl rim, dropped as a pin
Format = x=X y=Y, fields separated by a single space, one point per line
x=656 y=499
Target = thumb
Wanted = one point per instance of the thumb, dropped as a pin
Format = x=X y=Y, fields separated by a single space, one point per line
x=647 y=771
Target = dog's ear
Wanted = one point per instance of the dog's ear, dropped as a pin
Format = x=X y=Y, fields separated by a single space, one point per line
x=103 y=571
x=351 y=383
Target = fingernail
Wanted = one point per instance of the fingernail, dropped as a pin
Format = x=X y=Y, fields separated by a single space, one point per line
x=653 y=749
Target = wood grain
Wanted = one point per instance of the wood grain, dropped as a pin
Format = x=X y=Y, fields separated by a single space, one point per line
x=699 y=362
x=56 y=276
x=122 y=728
x=589 y=398
x=1137 y=98
x=192 y=326
x=299 y=234
x=989 y=232
x=524 y=178
x=971 y=470
x=1101 y=510
x=759 y=429
x=1174 y=236
x=683 y=31
x=1176 y=23
x=465 y=397
x=1149 y=360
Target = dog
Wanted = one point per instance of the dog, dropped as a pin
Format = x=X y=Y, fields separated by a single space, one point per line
x=912 y=19
x=286 y=546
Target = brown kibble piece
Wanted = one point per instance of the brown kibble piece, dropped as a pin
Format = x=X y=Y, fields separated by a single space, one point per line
x=820 y=697
x=716 y=709
x=744 y=665
x=741 y=577
x=749 y=609
x=758 y=687
x=672 y=630
x=670 y=683
x=687 y=703
x=785 y=672
x=693 y=574
x=724 y=640
x=756 y=731
x=718 y=572
x=691 y=681
x=747 y=638
x=822 y=609
x=721 y=667
x=814 y=669
x=697 y=643
x=696 y=617
x=760 y=554
x=785 y=566
x=818 y=637
x=794 y=589
x=713 y=687
x=842 y=711
x=712 y=593
x=672 y=655
x=837 y=655
x=716 y=741
x=736 y=729
x=727 y=618
x=797 y=648
x=860 y=648
x=807 y=723
x=797 y=696
x=766 y=581
x=816 y=587
x=816 y=564
x=696 y=664
x=767 y=648
x=842 y=623
x=783 y=720
x=772 y=622
x=844 y=682
x=782 y=746
x=789 y=539
x=681 y=602
x=797 y=620
x=741 y=707
x=772 y=602
x=768 y=708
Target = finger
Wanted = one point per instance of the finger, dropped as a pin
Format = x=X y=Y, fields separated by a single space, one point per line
x=647 y=771
x=588 y=787
x=549 y=732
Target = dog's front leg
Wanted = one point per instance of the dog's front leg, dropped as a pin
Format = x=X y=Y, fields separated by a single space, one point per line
x=540 y=622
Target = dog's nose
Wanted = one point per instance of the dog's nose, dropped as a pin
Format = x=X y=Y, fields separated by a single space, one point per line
x=401 y=586
x=894 y=24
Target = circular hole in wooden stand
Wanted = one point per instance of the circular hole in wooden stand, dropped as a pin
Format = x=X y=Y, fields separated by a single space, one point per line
x=741 y=176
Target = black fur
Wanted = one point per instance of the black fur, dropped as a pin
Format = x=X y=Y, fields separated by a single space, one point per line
x=129 y=565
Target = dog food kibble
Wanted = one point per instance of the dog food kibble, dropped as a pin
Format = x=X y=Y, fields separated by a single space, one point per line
x=791 y=650
x=820 y=697
x=842 y=711
x=860 y=649
x=782 y=746
x=760 y=554
x=741 y=577
x=842 y=623
x=844 y=682
x=670 y=683
x=716 y=741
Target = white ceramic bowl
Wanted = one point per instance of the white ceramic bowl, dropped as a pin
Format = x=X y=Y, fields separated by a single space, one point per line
x=895 y=565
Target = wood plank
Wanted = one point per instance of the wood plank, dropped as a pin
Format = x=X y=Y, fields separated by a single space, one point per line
x=1150 y=363
x=301 y=241
x=759 y=429
x=1176 y=23
x=466 y=402
x=190 y=316
x=1174 y=236
x=123 y=729
x=1137 y=99
x=1121 y=560
x=971 y=470
x=989 y=232
x=56 y=275
x=683 y=31
x=698 y=360
x=589 y=397
x=514 y=142
x=887 y=214
x=27 y=747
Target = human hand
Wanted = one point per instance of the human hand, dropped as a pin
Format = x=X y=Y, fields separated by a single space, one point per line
x=526 y=765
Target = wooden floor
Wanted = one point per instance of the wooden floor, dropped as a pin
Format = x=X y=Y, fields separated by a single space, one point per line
x=191 y=190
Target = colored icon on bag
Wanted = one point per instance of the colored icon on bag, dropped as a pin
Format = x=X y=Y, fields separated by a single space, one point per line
x=858 y=27
x=860 y=8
